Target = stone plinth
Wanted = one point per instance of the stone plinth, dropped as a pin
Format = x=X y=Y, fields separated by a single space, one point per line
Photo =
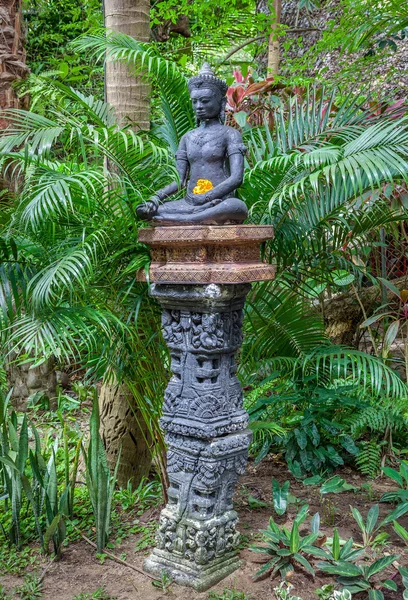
x=207 y=253
x=201 y=276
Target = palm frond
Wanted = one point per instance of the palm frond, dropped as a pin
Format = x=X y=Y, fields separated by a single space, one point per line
x=347 y=363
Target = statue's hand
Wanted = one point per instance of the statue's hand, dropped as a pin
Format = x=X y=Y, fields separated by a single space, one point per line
x=200 y=199
x=147 y=210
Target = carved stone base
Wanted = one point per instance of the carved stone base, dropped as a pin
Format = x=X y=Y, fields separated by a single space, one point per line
x=183 y=574
x=200 y=275
x=193 y=552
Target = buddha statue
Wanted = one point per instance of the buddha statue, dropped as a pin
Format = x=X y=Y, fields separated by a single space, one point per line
x=209 y=161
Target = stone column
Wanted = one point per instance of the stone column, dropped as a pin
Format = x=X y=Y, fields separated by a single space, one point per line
x=202 y=275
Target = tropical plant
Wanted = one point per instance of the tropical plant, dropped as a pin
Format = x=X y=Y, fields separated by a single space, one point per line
x=337 y=551
x=401 y=478
x=147 y=493
x=69 y=299
x=283 y=591
x=370 y=529
x=100 y=482
x=404 y=574
x=288 y=547
x=280 y=496
x=357 y=579
x=401 y=532
x=30 y=480
x=107 y=332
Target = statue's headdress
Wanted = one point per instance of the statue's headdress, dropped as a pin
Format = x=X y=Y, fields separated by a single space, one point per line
x=206 y=78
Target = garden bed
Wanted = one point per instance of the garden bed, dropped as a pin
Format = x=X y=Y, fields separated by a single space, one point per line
x=81 y=571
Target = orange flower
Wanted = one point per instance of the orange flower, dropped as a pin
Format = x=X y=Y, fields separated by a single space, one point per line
x=203 y=186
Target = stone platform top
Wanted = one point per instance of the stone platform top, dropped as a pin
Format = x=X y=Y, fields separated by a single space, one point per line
x=199 y=254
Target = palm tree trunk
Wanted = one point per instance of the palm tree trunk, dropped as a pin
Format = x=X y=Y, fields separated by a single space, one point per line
x=129 y=95
x=12 y=54
x=274 y=45
x=123 y=430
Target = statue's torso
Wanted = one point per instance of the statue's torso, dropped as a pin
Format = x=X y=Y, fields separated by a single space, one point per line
x=207 y=156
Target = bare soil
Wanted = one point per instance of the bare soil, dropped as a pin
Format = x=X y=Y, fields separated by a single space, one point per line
x=80 y=571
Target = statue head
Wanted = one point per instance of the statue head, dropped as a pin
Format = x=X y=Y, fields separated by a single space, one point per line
x=207 y=94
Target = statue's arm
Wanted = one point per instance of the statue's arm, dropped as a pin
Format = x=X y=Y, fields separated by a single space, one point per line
x=235 y=151
x=182 y=166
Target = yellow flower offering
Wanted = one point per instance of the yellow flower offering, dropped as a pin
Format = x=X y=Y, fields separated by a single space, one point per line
x=203 y=186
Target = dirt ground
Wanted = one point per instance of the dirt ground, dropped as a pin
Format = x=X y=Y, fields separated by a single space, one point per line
x=80 y=570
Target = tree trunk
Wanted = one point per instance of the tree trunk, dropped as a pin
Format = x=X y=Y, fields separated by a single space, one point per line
x=343 y=314
x=128 y=94
x=12 y=55
x=121 y=428
x=130 y=97
x=274 y=44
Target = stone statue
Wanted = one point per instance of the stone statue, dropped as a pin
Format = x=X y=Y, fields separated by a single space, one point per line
x=210 y=162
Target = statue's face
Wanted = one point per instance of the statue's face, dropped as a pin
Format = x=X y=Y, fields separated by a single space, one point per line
x=206 y=103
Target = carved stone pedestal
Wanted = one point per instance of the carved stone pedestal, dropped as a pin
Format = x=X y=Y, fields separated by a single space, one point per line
x=203 y=414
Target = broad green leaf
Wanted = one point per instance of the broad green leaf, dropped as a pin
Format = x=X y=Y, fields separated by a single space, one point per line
x=341 y=277
x=280 y=496
x=304 y=562
x=380 y=564
x=375 y=595
x=374 y=319
x=389 y=584
x=302 y=514
x=333 y=485
x=372 y=518
x=294 y=538
x=395 y=514
x=393 y=474
x=391 y=334
x=315 y=523
x=341 y=567
x=358 y=518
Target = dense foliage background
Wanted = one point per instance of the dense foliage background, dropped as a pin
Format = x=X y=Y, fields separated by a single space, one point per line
x=325 y=358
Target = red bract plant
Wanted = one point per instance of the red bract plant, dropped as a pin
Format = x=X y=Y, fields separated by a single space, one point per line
x=250 y=101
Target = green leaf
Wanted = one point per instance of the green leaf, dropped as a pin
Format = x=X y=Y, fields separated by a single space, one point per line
x=390 y=585
x=375 y=595
x=400 y=531
x=341 y=567
x=301 y=438
x=304 y=562
x=336 y=544
x=372 y=518
x=393 y=474
x=341 y=277
x=333 y=485
x=23 y=446
x=51 y=530
x=380 y=564
x=280 y=496
x=391 y=334
x=374 y=319
x=395 y=514
x=302 y=514
x=267 y=567
x=241 y=118
x=358 y=518
x=315 y=524
x=294 y=538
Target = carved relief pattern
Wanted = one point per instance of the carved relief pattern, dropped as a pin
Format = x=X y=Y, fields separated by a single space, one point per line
x=205 y=426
